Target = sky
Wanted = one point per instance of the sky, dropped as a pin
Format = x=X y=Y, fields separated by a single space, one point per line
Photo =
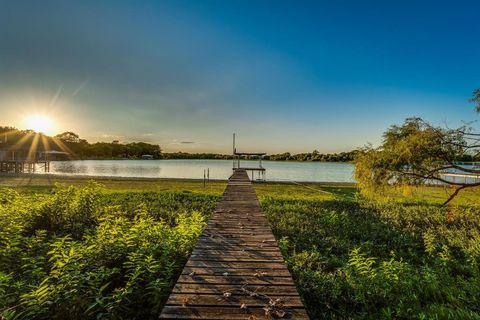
x=283 y=75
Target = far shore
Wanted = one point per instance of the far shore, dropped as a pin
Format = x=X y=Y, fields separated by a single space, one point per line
x=167 y=159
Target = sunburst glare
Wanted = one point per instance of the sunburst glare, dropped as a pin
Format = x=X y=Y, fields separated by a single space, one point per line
x=40 y=123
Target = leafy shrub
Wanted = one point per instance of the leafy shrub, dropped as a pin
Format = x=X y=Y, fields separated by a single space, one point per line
x=380 y=261
x=84 y=253
x=68 y=211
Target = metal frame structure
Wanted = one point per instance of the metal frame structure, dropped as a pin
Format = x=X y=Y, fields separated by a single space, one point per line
x=261 y=176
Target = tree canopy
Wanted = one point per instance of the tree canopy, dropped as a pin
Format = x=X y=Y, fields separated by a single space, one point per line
x=76 y=148
x=418 y=152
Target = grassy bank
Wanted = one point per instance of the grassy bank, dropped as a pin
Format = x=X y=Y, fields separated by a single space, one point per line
x=320 y=191
x=79 y=250
x=45 y=183
x=40 y=182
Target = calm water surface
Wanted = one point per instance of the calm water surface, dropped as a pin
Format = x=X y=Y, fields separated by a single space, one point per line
x=193 y=169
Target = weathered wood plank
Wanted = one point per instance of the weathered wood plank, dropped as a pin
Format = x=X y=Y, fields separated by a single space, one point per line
x=234 y=300
x=237 y=264
x=231 y=279
x=283 y=290
x=282 y=272
x=233 y=259
x=236 y=268
x=243 y=246
x=236 y=241
x=232 y=313
x=235 y=252
x=229 y=235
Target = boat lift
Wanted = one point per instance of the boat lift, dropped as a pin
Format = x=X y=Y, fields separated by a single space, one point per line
x=260 y=170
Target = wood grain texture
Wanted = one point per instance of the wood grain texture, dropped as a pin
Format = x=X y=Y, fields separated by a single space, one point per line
x=236 y=270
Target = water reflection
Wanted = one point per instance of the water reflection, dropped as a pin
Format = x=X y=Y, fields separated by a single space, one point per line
x=193 y=169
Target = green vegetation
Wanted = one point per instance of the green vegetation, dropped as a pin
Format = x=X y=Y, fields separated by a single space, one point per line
x=313 y=156
x=22 y=142
x=113 y=252
x=83 y=253
x=418 y=152
x=82 y=149
x=45 y=183
x=355 y=259
x=287 y=156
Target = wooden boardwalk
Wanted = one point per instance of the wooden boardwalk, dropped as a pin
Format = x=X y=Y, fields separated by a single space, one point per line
x=236 y=271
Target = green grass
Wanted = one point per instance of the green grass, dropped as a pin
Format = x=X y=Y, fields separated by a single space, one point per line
x=27 y=183
x=320 y=191
x=113 y=252
x=433 y=195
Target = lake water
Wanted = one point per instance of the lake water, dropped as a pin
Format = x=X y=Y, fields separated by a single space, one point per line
x=193 y=169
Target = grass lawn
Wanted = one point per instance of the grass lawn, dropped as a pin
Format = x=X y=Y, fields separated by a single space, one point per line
x=422 y=194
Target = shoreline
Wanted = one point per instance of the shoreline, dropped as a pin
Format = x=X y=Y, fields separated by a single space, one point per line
x=163 y=159
x=153 y=179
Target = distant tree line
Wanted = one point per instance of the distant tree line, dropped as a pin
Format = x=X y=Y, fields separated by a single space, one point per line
x=82 y=149
x=309 y=156
x=185 y=155
x=23 y=141
x=77 y=148
x=314 y=156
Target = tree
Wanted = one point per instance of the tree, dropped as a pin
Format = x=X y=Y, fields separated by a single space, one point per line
x=418 y=152
x=476 y=99
x=68 y=136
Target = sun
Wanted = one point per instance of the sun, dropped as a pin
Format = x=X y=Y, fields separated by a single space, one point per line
x=40 y=123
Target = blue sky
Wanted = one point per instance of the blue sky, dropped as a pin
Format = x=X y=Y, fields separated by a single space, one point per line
x=284 y=75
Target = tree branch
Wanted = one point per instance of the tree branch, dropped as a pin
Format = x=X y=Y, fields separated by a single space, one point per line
x=460 y=186
x=454 y=194
x=454 y=166
x=432 y=177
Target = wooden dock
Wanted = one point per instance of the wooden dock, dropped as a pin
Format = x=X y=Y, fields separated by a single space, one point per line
x=24 y=166
x=236 y=271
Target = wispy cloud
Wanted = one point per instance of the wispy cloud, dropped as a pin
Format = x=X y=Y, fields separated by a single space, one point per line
x=79 y=88
x=110 y=136
x=57 y=94
x=179 y=142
